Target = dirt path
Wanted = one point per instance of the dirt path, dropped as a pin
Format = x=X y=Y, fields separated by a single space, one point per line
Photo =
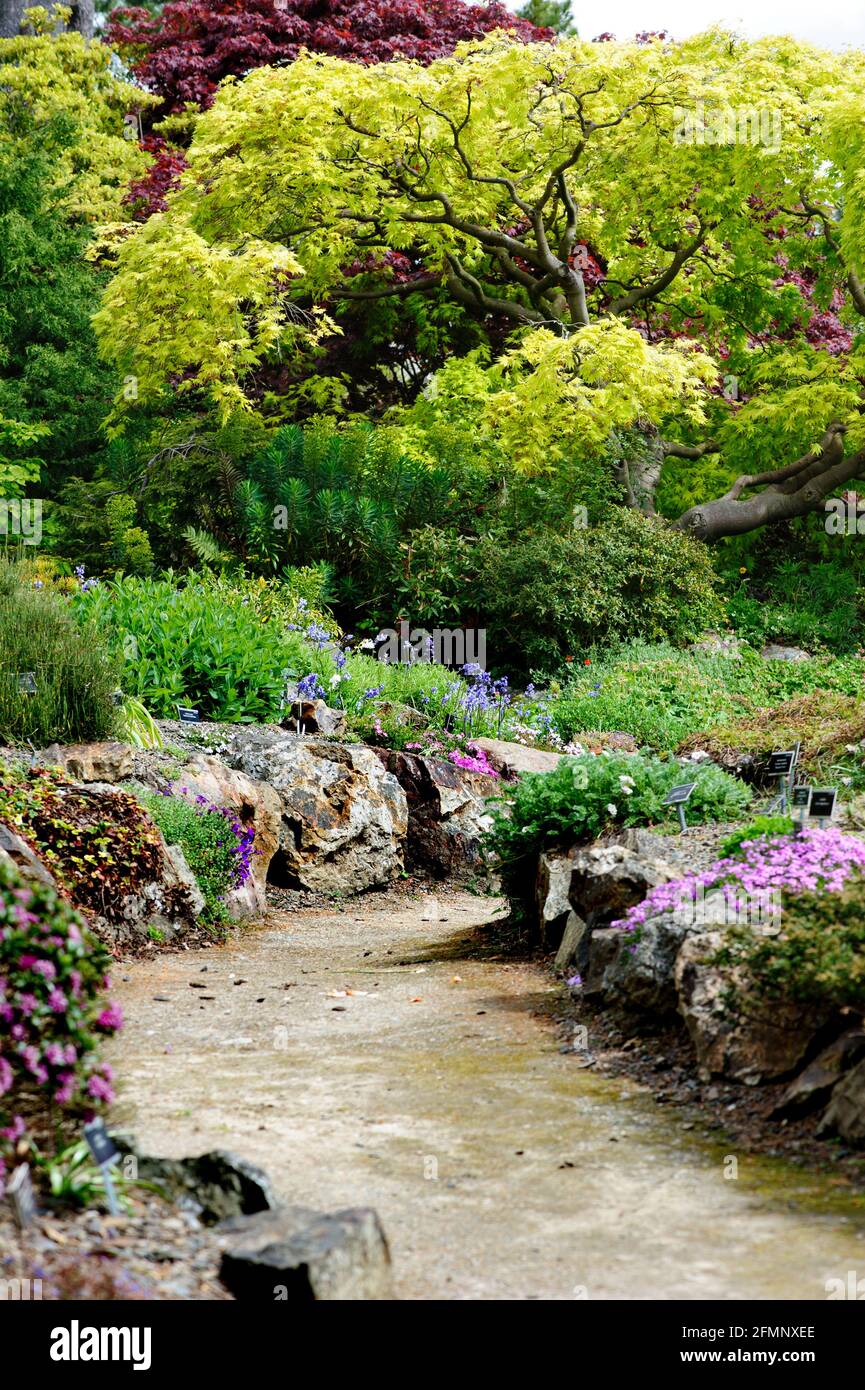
x=436 y=1093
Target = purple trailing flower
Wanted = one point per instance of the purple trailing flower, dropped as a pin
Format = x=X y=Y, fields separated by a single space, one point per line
x=310 y=687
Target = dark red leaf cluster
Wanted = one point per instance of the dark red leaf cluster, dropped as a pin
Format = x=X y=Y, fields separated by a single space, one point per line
x=184 y=52
x=148 y=194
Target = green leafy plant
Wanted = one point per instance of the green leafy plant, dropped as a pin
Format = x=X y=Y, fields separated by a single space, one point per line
x=216 y=846
x=760 y=828
x=585 y=796
x=73 y=670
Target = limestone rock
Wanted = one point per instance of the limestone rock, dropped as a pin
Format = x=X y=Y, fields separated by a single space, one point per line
x=761 y=1041
x=297 y=1255
x=552 y=886
x=773 y=652
x=447 y=815
x=314 y=717
x=813 y=1086
x=90 y=762
x=343 y=817
x=846 y=1113
x=608 y=879
x=573 y=952
x=18 y=855
x=510 y=759
x=216 y=1185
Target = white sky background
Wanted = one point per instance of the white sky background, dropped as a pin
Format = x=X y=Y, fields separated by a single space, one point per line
x=829 y=23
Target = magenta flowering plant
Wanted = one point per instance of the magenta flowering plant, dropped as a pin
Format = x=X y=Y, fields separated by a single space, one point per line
x=53 y=1012
x=474 y=760
x=769 y=867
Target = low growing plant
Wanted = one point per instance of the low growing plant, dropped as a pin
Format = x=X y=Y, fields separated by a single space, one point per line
x=53 y=1014
x=216 y=846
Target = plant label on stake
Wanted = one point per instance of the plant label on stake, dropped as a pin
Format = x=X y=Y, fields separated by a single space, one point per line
x=781 y=765
x=822 y=807
x=25 y=681
x=801 y=800
x=21 y=1196
x=677 y=796
x=187 y=715
x=104 y=1151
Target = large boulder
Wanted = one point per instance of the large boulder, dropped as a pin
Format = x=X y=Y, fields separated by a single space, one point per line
x=343 y=815
x=846 y=1113
x=90 y=762
x=752 y=1042
x=447 y=815
x=295 y=1255
x=609 y=878
x=552 y=901
x=813 y=1086
x=17 y=855
x=254 y=803
x=510 y=759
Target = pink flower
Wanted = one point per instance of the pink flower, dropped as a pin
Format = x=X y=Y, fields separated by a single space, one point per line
x=27 y=962
x=110 y=1019
x=15 y=1131
x=57 y=1001
x=6 y=1076
x=99 y=1089
x=27 y=1003
x=66 y=1090
x=46 y=969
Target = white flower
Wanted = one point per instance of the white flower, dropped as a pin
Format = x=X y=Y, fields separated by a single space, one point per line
x=335 y=680
x=367 y=645
x=851 y=747
x=612 y=809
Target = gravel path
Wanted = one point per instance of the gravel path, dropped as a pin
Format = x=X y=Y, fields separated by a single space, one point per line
x=390 y=1055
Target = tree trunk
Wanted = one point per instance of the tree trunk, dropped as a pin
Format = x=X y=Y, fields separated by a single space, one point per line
x=10 y=17
x=82 y=17
x=793 y=491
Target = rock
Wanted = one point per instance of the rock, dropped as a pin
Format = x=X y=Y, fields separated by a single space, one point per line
x=344 y=817
x=713 y=644
x=447 y=815
x=186 y=878
x=773 y=652
x=573 y=952
x=511 y=759
x=760 y=1042
x=635 y=970
x=253 y=802
x=314 y=717
x=552 y=885
x=813 y=1086
x=401 y=714
x=18 y=855
x=846 y=1113
x=90 y=762
x=216 y=1185
x=609 y=878
x=296 y=1255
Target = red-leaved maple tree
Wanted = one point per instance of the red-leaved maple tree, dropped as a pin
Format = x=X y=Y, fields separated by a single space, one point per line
x=184 y=52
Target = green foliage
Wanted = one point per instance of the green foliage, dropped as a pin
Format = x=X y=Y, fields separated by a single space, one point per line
x=826 y=724
x=545 y=596
x=75 y=674
x=100 y=846
x=760 y=828
x=585 y=796
x=136 y=725
x=208 y=842
x=655 y=693
x=74 y=1178
x=340 y=498
x=193 y=642
x=51 y=380
x=817 y=957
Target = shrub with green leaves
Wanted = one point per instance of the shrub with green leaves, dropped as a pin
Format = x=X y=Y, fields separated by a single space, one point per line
x=760 y=828
x=586 y=796
x=195 y=642
x=653 y=692
x=216 y=846
x=545 y=596
x=74 y=672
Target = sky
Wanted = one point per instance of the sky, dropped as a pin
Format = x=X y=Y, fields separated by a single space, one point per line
x=829 y=23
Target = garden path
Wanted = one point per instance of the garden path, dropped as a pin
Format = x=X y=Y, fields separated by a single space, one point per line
x=436 y=1091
